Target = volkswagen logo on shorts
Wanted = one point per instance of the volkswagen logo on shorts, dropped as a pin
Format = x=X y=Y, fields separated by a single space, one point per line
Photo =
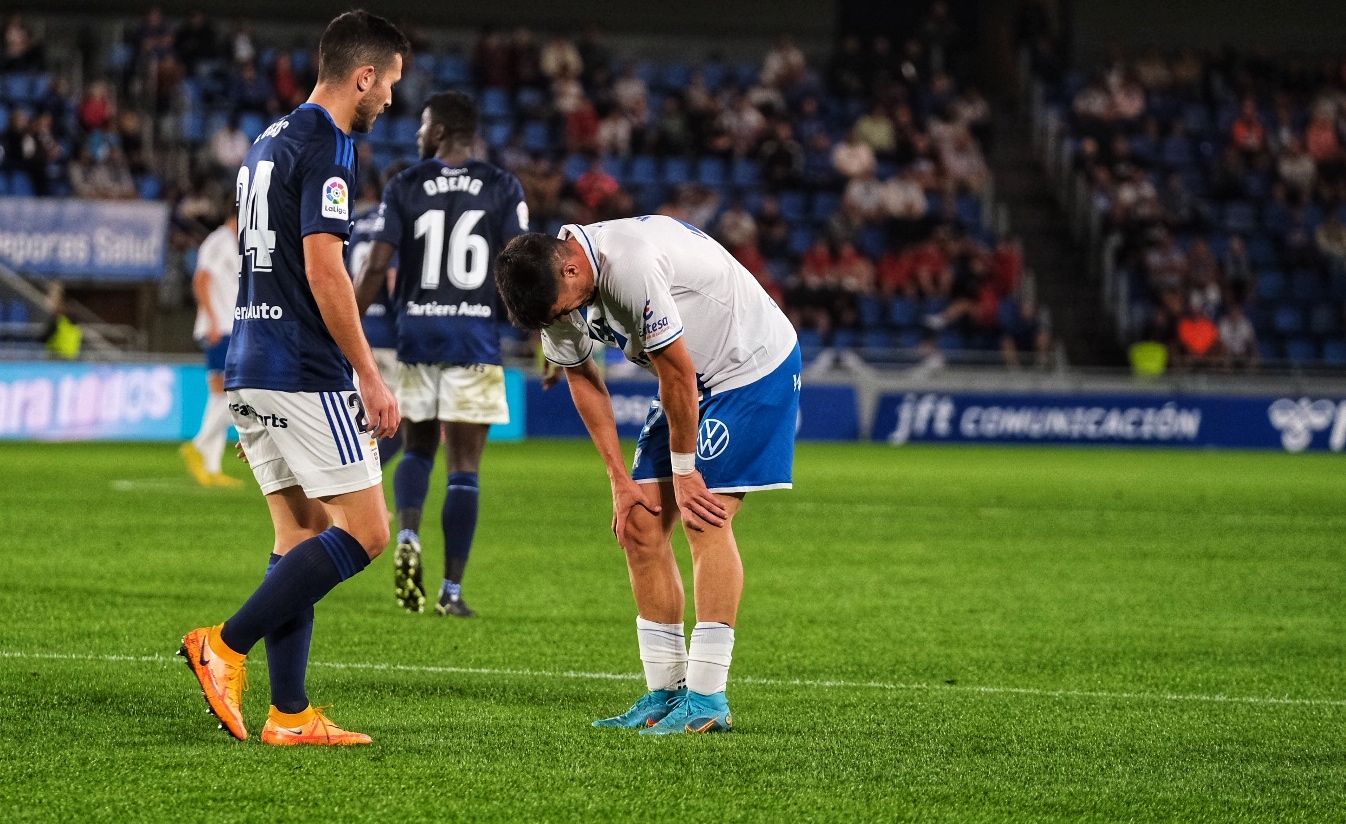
x=712 y=439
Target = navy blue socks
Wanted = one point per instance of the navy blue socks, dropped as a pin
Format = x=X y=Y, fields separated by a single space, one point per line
x=287 y=657
x=297 y=582
x=459 y=519
x=411 y=481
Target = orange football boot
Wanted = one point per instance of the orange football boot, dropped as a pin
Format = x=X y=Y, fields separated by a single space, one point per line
x=309 y=726
x=222 y=676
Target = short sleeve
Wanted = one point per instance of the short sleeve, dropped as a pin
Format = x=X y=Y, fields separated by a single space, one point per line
x=219 y=256
x=566 y=342
x=388 y=220
x=637 y=281
x=513 y=210
x=326 y=192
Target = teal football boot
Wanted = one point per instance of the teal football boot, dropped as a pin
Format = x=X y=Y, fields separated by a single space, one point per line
x=696 y=713
x=649 y=710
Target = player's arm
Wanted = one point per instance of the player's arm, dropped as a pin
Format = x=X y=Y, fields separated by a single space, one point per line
x=335 y=296
x=680 y=398
x=201 y=290
x=591 y=399
x=375 y=275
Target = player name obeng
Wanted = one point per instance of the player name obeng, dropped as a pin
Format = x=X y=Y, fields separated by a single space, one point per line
x=434 y=309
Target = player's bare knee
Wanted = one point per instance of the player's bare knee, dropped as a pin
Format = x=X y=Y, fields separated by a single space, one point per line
x=642 y=542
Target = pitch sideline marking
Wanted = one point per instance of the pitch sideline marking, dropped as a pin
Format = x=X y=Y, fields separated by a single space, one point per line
x=748 y=679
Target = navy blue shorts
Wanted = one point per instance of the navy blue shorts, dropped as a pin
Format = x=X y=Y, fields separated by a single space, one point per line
x=747 y=437
x=215 y=354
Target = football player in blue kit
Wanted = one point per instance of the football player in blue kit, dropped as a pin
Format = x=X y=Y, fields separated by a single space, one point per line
x=378 y=319
x=302 y=384
x=446 y=218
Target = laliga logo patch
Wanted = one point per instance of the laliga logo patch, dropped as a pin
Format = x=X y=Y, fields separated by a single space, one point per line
x=336 y=199
x=712 y=439
x=1298 y=420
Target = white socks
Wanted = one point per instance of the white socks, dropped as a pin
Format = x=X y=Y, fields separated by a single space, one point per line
x=663 y=651
x=708 y=661
x=214 y=426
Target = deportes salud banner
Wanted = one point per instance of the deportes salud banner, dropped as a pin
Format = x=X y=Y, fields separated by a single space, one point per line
x=1291 y=424
x=134 y=402
x=85 y=239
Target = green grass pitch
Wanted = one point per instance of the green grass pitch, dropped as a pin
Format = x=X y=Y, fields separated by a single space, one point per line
x=941 y=634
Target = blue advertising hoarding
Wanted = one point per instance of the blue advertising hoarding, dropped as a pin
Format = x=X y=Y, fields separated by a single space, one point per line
x=86 y=239
x=1292 y=424
x=826 y=413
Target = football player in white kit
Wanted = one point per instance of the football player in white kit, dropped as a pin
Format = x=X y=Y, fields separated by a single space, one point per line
x=215 y=285
x=723 y=424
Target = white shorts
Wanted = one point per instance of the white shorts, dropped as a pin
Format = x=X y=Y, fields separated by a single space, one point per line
x=457 y=394
x=386 y=360
x=317 y=440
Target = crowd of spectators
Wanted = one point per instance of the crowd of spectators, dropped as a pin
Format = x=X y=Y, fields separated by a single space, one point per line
x=1220 y=180
x=853 y=189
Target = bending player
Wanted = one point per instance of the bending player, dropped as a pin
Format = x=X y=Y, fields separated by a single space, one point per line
x=215 y=286
x=306 y=431
x=674 y=301
x=445 y=217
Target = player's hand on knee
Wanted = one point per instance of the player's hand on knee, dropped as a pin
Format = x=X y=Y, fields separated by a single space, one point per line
x=626 y=497
x=699 y=506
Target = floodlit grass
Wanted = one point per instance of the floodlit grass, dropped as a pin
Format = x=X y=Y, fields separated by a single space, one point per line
x=935 y=634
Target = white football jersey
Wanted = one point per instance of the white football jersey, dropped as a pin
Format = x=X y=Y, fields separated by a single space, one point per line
x=658 y=279
x=218 y=258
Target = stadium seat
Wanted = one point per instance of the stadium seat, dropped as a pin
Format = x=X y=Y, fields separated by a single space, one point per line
x=1287 y=320
x=1300 y=350
x=1307 y=285
x=1270 y=286
x=1176 y=152
x=675 y=77
x=1324 y=319
x=809 y=340
x=845 y=338
x=1240 y=217
x=825 y=204
x=676 y=171
x=252 y=124
x=902 y=313
x=4 y=184
x=801 y=238
x=968 y=211
x=713 y=73
x=575 y=166
x=495 y=104
x=4 y=118
x=951 y=340
x=536 y=136
x=382 y=131
x=452 y=70
x=878 y=340
x=644 y=171
x=193 y=126
x=530 y=101
x=793 y=205
x=909 y=338
x=18 y=311
x=21 y=185
x=1334 y=352
x=745 y=173
x=149 y=187
x=871 y=312
x=1261 y=252
x=404 y=132
x=872 y=242
x=710 y=171
x=497 y=134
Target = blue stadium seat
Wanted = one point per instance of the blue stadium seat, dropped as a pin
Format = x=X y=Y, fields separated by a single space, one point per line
x=872 y=242
x=644 y=171
x=149 y=187
x=710 y=171
x=951 y=340
x=878 y=340
x=801 y=238
x=497 y=133
x=529 y=99
x=1307 y=285
x=575 y=166
x=1196 y=118
x=404 y=132
x=536 y=136
x=845 y=338
x=714 y=74
x=1176 y=152
x=615 y=166
x=825 y=204
x=969 y=210
x=193 y=127
x=495 y=104
x=649 y=199
x=252 y=124
x=1334 y=352
x=910 y=338
x=1240 y=216
x=676 y=171
x=381 y=131
x=18 y=311
x=871 y=312
x=1324 y=319
x=1300 y=350
x=1268 y=350
x=1287 y=320
x=4 y=184
x=675 y=77
x=902 y=313
x=745 y=173
x=4 y=118
x=21 y=185
x=452 y=70
x=1261 y=252
x=425 y=62
x=809 y=339
x=301 y=60
x=1270 y=286
x=793 y=205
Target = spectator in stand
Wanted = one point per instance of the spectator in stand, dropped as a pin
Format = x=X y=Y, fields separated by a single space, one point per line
x=1248 y=134
x=290 y=89
x=819 y=174
x=229 y=146
x=1007 y=265
x=865 y=198
x=853 y=274
x=240 y=47
x=97 y=110
x=195 y=42
x=773 y=230
x=893 y=275
x=543 y=184
x=672 y=131
x=1198 y=340
x=493 y=60
x=853 y=157
x=1024 y=333
x=876 y=129
x=596 y=188
x=785 y=66
x=971 y=111
x=848 y=71
x=964 y=165
x=904 y=200
x=744 y=124
x=581 y=127
x=1239 y=276
x=22 y=53
x=594 y=54
x=1331 y=240
x=526 y=61
x=1296 y=169
x=1238 y=339
x=737 y=227
x=249 y=92
x=1320 y=139
x=105 y=177
x=614 y=133
x=560 y=58
x=781 y=158
x=1166 y=265
x=1205 y=294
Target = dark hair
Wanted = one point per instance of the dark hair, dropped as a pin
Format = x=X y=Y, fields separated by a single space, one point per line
x=358 y=38
x=456 y=112
x=526 y=273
